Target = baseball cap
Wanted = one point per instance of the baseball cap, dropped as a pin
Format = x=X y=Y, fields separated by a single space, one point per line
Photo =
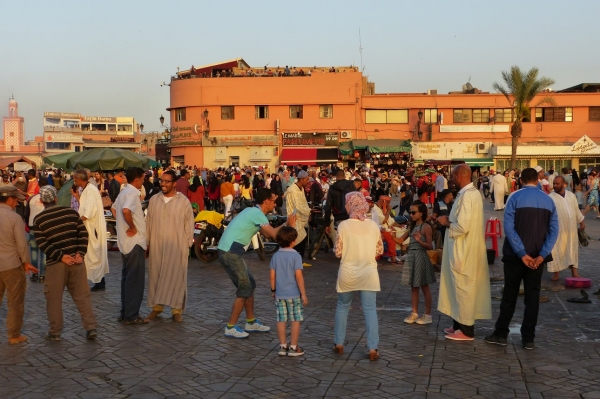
x=538 y=168
x=11 y=191
x=48 y=194
x=401 y=219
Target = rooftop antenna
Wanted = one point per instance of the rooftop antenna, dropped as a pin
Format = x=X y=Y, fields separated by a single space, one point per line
x=360 y=51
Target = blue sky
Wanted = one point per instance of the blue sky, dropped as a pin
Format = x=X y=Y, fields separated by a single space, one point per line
x=107 y=58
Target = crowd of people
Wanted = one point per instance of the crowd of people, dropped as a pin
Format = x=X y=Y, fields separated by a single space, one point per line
x=66 y=245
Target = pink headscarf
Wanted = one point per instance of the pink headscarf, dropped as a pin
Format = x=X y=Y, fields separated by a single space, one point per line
x=356 y=205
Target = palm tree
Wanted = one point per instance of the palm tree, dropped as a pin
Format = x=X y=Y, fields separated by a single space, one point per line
x=521 y=89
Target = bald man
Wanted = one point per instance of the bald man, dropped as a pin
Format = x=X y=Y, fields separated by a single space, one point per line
x=465 y=280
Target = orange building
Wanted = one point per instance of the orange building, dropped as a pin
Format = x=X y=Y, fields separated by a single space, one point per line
x=231 y=113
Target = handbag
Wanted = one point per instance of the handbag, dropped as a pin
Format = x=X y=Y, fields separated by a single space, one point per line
x=583 y=237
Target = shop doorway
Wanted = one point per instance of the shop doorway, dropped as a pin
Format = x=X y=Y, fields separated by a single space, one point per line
x=556 y=164
x=588 y=163
x=504 y=164
x=234 y=161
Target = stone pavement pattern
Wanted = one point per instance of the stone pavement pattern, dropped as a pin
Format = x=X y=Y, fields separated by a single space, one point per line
x=194 y=359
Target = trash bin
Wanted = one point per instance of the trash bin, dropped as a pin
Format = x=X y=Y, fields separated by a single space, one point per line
x=491 y=255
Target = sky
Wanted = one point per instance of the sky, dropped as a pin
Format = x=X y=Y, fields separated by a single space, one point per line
x=108 y=58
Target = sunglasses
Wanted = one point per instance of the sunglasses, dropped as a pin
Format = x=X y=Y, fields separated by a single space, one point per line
x=413 y=212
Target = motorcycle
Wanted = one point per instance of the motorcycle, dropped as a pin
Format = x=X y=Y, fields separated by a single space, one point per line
x=111 y=226
x=207 y=236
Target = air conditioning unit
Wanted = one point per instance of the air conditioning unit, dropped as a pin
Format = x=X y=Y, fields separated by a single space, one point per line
x=346 y=134
x=483 y=148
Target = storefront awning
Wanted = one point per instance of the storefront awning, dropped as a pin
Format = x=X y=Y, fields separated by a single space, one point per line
x=382 y=145
x=346 y=148
x=478 y=161
x=309 y=156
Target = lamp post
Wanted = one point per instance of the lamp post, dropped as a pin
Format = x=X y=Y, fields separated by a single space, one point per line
x=206 y=123
x=163 y=144
x=419 y=132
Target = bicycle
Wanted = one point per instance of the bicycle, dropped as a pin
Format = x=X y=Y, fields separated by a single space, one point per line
x=317 y=232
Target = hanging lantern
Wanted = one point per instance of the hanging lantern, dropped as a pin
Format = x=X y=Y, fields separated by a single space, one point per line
x=356 y=154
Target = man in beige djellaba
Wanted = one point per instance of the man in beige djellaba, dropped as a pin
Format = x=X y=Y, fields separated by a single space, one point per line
x=465 y=279
x=169 y=236
x=565 y=253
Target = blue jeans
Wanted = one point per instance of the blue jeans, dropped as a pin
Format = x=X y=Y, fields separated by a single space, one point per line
x=38 y=258
x=133 y=277
x=367 y=299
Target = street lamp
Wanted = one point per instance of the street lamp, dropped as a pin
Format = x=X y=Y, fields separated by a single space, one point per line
x=419 y=132
x=206 y=123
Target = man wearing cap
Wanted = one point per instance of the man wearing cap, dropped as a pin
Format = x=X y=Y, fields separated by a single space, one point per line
x=15 y=262
x=61 y=234
x=296 y=205
x=543 y=183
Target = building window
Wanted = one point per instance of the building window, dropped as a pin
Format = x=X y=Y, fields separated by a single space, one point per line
x=594 y=114
x=179 y=114
x=125 y=128
x=296 y=111
x=325 y=111
x=262 y=112
x=386 y=116
x=504 y=115
x=227 y=112
x=471 y=116
x=554 y=114
x=430 y=115
x=12 y=134
x=57 y=146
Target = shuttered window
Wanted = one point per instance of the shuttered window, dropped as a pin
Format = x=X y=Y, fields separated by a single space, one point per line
x=594 y=114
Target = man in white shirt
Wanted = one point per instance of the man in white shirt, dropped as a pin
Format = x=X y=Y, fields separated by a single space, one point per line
x=131 y=237
x=440 y=183
x=38 y=259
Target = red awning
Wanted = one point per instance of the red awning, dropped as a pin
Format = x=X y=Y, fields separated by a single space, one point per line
x=297 y=156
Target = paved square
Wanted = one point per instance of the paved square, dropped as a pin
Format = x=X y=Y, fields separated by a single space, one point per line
x=193 y=358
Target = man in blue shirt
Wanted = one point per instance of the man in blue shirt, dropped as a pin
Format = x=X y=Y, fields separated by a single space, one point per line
x=531 y=228
x=232 y=246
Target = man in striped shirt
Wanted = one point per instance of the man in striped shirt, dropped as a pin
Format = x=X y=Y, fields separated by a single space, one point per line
x=62 y=236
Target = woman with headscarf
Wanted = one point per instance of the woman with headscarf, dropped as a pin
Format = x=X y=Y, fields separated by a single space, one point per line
x=277 y=188
x=196 y=193
x=214 y=193
x=358 y=243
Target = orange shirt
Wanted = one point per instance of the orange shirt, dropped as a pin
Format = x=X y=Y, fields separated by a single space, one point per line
x=227 y=189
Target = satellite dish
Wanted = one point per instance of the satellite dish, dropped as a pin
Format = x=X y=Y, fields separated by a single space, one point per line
x=469 y=86
x=464 y=88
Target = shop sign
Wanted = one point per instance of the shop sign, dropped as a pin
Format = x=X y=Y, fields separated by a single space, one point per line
x=239 y=141
x=445 y=150
x=63 y=137
x=316 y=139
x=582 y=146
x=99 y=119
x=474 y=128
x=122 y=140
x=62 y=115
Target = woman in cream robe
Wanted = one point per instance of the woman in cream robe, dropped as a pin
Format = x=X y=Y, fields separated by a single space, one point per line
x=465 y=280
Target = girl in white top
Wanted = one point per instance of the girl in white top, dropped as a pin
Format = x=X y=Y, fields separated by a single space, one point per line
x=358 y=243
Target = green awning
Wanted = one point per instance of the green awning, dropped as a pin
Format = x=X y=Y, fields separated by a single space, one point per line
x=376 y=146
x=477 y=161
x=346 y=148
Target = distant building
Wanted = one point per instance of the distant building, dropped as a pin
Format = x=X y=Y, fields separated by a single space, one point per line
x=73 y=132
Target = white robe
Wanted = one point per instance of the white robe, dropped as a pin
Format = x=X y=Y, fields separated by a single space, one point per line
x=465 y=280
x=566 y=250
x=295 y=200
x=499 y=187
x=96 y=258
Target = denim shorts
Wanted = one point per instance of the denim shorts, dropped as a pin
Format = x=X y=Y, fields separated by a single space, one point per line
x=238 y=272
x=289 y=309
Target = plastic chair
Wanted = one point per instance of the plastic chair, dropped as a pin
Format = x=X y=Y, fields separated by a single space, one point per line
x=494 y=238
x=493 y=226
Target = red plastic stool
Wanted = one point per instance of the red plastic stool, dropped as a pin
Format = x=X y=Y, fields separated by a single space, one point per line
x=494 y=239
x=493 y=226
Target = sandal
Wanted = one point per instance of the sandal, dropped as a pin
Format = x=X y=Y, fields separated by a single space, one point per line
x=139 y=320
x=338 y=349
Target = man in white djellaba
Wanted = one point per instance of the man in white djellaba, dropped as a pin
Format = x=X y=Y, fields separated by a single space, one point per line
x=91 y=213
x=565 y=253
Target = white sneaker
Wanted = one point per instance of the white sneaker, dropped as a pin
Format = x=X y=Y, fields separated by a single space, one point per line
x=425 y=319
x=257 y=326
x=235 y=332
x=412 y=318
